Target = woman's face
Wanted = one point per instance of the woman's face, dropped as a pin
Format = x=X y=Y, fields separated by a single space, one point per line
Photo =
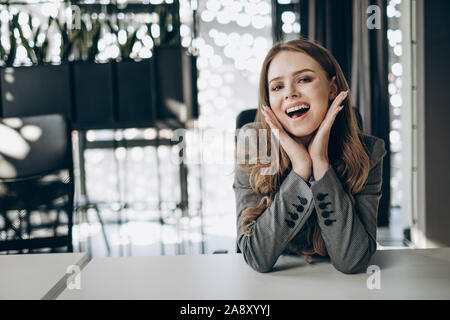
x=299 y=92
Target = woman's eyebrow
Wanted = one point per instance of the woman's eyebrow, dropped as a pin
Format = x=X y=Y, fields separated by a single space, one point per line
x=292 y=74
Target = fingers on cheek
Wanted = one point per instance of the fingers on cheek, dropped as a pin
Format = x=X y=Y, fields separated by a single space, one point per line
x=273 y=124
x=266 y=117
x=268 y=120
x=338 y=108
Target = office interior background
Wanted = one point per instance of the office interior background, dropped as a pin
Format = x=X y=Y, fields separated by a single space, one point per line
x=128 y=74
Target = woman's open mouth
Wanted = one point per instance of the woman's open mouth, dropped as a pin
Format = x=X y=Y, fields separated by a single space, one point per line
x=297 y=112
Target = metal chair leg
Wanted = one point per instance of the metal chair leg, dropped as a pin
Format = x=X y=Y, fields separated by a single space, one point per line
x=55 y=225
x=103 y=230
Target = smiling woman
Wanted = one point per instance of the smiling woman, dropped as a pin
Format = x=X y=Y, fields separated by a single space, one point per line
x=324 y=197
x=307 y=86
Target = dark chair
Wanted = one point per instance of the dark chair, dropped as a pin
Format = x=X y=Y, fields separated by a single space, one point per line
x=245 y=117
x=36 y=183
x=242 y=119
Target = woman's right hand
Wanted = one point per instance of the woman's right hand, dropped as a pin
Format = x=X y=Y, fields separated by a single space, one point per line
x=297 y=152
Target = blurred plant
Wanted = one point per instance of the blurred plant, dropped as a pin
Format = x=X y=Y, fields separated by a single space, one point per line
x=40 y=50
x=67 y=39
x=125 y=50
x=37 y=52
x=82 y=43
x=88 y=40
x=167 y=34
x=2 y=49
x=131 y=38
x=149 y=31
x=26 y=44
x=11 y=56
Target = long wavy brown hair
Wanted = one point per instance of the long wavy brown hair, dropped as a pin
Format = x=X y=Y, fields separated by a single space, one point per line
x=346 y=152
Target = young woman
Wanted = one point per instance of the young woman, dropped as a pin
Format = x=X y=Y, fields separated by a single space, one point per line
x=324 y=197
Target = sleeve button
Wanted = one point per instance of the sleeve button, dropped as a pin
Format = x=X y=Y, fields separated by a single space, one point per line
x=321 y=196
x=303 y=201
x=323 y=205
x=299 y=208
x=290 y=223
x=326 y=214
x=328 y=222
x=294 y=216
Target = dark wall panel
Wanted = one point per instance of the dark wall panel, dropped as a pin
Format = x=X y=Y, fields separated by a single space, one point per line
x=437 y=119
x=29 y=91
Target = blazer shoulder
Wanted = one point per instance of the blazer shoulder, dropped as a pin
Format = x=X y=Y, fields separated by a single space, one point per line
x=374 y=146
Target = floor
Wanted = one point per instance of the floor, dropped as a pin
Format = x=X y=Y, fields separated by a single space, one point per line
x=141 y=235
x=392 y=236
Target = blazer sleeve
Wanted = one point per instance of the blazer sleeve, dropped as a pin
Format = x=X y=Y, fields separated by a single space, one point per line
x=277 y=225
x=349 y=231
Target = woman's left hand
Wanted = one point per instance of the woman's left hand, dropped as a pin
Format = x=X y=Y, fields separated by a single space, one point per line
x=318 y=146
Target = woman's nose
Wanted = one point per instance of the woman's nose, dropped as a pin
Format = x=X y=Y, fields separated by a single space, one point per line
x=291 y=95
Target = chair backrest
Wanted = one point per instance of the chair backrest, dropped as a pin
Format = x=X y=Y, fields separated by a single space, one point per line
x=245 y=117
x=34 y=146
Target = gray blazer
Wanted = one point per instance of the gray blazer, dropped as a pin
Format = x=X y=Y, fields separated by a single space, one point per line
x=349 y=232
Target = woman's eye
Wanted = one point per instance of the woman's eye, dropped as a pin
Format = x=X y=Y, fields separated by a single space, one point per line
x=276 y=88
x=302 y=80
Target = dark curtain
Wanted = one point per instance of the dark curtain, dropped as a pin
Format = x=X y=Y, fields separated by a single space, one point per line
x=329 y=23
x=340 y=26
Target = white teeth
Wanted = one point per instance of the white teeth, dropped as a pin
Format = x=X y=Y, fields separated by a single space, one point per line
x=303 y=106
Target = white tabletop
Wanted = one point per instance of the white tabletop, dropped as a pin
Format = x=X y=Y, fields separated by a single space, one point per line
x=37 y=276
x=405 y=274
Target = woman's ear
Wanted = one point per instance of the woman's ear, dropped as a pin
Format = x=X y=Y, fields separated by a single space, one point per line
x=333 y=89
